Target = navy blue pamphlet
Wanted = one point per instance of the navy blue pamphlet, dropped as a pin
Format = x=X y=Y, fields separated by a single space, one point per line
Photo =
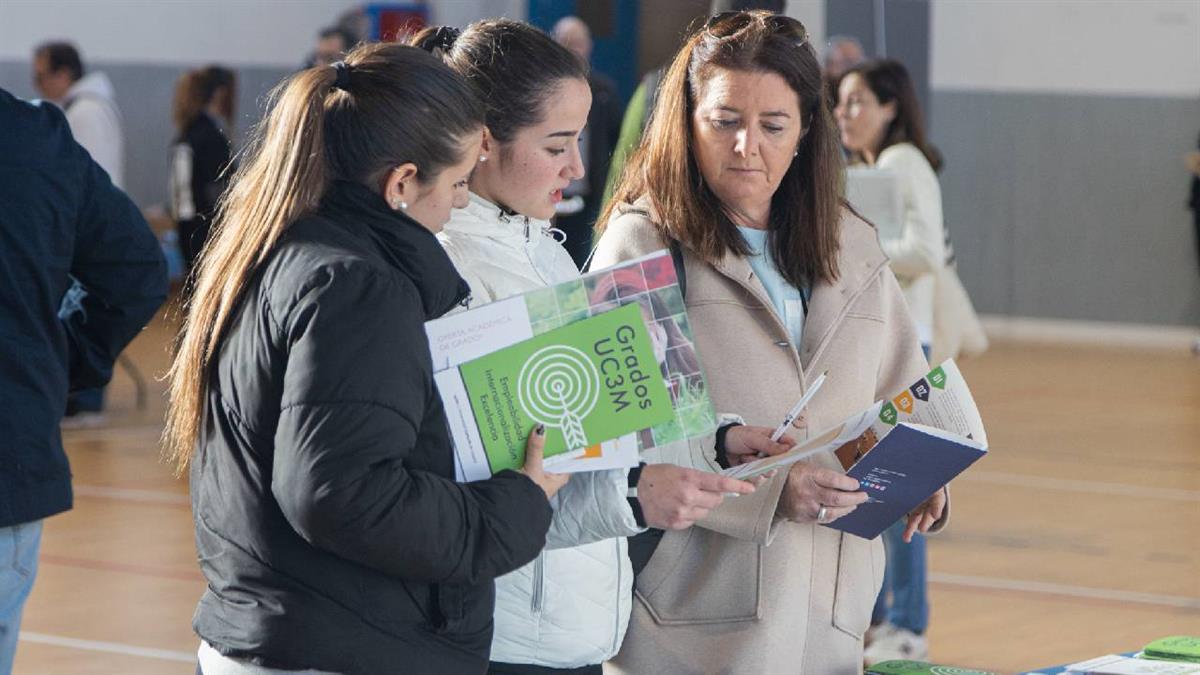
x=902 y=470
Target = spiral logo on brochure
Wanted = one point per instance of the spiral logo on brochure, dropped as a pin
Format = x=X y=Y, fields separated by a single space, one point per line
x=559 y=386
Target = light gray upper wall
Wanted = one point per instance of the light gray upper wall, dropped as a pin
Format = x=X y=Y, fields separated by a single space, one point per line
x=1148 y=48
x=186 y=32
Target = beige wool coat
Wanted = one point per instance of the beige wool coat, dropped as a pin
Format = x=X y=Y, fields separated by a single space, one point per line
x=745 y=591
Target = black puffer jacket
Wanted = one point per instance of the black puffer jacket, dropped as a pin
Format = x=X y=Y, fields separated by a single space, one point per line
x=328 y=523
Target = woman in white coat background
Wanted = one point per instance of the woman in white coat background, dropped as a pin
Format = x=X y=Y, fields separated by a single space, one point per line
x=881 y=125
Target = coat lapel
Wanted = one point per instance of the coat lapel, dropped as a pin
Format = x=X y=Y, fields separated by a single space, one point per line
x=859 y=260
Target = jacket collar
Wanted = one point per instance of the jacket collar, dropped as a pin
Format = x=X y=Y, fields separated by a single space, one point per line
x=482 y=218
x=403 y=243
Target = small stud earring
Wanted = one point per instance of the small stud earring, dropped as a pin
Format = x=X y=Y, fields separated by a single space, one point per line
x=398 y=204
x=403 y=206
x=483 y=158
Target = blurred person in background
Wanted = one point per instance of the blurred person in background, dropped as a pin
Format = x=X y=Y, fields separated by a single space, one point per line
x=332 y=44
x=567 y=611
x=329 y=527
x=62 y=222
x=90 y=104
x=596 y=143
x=842 y=53
x=89 y=101
x=1193 y=165
x=203 y=113
x=881 y=126
x=740 y=171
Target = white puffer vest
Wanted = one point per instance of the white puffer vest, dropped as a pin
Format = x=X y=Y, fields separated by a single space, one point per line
x=569 y=607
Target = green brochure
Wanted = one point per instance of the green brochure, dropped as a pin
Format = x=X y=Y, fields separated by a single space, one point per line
x=1183 y=648
x=648 y=283
x=588 y=382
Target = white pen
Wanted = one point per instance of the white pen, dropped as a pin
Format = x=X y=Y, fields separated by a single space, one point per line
x=799 y=407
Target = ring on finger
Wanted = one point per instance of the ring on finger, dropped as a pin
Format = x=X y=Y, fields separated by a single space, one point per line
x=822 y=513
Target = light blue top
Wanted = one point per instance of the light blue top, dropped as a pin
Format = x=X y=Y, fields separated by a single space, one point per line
x=787 y=299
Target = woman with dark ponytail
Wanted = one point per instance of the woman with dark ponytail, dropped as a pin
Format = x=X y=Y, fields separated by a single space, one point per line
x=329 y=528
x=203 y=115
x=567 y=611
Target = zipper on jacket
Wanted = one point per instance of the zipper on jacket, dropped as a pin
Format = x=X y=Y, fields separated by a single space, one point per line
x=539 y=581
x=546 y=231
x=529 y=258
x=616 y=645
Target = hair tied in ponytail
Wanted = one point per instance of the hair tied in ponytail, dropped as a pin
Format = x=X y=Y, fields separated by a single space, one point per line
x=341 y=80
x=444 y=37
x=437 y=40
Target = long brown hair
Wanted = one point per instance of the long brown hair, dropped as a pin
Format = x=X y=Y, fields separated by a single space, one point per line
x=196 y=89
x=386 y=105
x=889 y=80
x=806 y=208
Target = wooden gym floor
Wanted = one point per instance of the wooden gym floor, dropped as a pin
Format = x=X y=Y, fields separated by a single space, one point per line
x=1078 y=536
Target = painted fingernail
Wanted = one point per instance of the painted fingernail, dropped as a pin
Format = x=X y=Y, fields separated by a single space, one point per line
x=540 y=430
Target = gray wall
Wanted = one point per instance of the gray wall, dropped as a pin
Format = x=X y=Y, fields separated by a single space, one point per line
x=144 y=96
x=1071 y=206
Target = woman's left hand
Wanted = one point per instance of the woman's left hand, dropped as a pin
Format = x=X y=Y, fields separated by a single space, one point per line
x=924 y=516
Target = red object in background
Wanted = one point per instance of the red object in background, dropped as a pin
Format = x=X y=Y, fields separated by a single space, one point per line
x=397 y=22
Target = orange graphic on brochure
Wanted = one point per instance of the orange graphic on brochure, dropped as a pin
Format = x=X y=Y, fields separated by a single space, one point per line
x=904 y=402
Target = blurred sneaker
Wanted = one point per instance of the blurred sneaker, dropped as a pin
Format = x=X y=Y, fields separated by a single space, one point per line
x=897 y=644
x=876 y=632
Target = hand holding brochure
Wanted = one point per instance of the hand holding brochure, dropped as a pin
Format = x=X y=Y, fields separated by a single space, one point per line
x=902 y=470
x=591 y=381
x=901 y=450
x=829 y=440
x=667 y=361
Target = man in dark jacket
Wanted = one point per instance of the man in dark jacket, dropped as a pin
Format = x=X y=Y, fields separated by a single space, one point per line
x=60 y=219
